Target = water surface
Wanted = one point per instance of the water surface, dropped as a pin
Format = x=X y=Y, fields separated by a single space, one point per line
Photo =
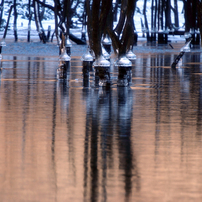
x=61 y=141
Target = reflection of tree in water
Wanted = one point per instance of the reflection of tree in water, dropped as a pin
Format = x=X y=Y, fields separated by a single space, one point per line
x=104 y=118
x=199 y=112
x=127 y=161
x=197 y=79
x=187 y=86
x=191 y=91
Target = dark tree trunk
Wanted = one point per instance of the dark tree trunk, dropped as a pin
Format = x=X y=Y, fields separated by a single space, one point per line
x=152 y=15
x=153 y=19
x=15 y=21
x=83 y=31
x=128 y=33
x=191 y=19
x=38 y=23
x=155 y=15
x=195 y=26
x=121 y=21
x=7 y=23
x=41 y=13
x=96 y=32
x=1 y=12
x=199 y=6
x=194 y=18
x=56 y=20
x=168 y=23
x=188 y=15
x=98 y=19
x=29 y=22
x=42 y=32
x=67 y=16
x=176 y=14
x=162 y=35
x=145 y=20
x=106 y=16
x=160 y=15
x=122 y=45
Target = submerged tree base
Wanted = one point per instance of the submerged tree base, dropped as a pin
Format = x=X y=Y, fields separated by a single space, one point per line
x=102 y=76
x=63 y=70
x=125 y=76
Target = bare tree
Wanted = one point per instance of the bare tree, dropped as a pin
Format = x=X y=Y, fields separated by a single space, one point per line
x=98 y=19
x=15 y=20
x=123 y=35
x=1 y=12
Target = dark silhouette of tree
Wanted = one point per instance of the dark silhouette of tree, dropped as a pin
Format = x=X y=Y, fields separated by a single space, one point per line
x=37 y=18
x=29 y=15
x=192 y=13
x=199 y=6
x=145 y=19
x=98 y=18
x=175 y=10
x=100 y=15
x=1 y=12
x=64 y=11
x=15 y=20
x=123 y=35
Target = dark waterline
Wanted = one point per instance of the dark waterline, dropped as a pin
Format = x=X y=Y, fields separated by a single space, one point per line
x=61 y=141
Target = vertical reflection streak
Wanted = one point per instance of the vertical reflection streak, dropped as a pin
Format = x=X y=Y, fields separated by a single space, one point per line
x=53 y=136
x=70 y=137
x=199 y=111
x=26 y=111
x=104 y=165
x=86 y=157
x=105 y=131
x=94 y=160
x=127 y=161
x=158 y=110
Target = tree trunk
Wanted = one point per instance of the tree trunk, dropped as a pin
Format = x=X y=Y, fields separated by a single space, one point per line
x=160 y=15
x=7 y=23
x=187 y=15
x=199 y=6
x=176 y=14
x=29 y=22
x=127 y=38
x=168 y=23
x=152 y=15
x=41 y=14
x=56 y=20
x=96 y=32
x=145 y=20
x=122 y=45
x=89 y=22
x=15 y=21
x=1 y=12
x=122 y=17
x=67 y=16
x=155 y=15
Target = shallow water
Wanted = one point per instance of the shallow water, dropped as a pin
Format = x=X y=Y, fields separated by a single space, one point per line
x=61 y=141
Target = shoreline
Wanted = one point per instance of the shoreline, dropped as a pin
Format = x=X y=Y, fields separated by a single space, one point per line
x=37 y=48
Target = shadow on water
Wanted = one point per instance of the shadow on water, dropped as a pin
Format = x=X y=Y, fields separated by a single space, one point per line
x=66 y=140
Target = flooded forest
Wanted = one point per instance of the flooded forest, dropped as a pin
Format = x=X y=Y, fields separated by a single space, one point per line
x=100 y=100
